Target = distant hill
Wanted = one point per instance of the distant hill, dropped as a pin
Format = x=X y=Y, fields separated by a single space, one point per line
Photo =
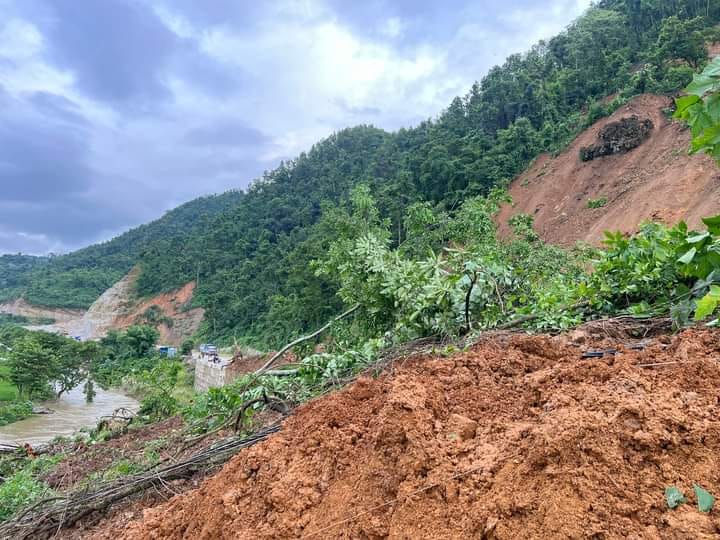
x=14 y=273
x=251 y=252
x=77 y=279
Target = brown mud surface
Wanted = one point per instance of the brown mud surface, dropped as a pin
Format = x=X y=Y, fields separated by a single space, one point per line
x=657 y=181
x=517 y=438
x=171 y=305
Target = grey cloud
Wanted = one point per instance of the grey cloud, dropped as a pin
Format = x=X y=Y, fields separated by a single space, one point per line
x=41 y=156
x=207 y=74
x=226 y=133
x=357 y=111
x=70 y=219
x=238 y=14
x=59 y=107
x=117 y=48
x=121 y=142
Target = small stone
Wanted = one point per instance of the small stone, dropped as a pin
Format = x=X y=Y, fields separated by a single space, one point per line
x=462 y=426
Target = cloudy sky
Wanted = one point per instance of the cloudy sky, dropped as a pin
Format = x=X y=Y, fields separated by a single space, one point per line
x=114 y=111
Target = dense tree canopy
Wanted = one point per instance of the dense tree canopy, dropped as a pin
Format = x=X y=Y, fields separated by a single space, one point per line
x=251 y=252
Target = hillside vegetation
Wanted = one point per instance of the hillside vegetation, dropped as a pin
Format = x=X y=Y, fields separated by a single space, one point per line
x=76 y=280
x=252 y=253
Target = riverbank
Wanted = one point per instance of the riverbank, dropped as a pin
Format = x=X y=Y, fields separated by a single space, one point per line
x=14 y=411
x=71 y=413
x=112 y=452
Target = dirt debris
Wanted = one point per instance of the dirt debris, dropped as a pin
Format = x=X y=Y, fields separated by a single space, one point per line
x=552 y=446
x=657 y=181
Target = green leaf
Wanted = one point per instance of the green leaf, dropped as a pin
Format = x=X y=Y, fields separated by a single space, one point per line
x=674 y=497
x=712 y=107
x=704 y=499
x=708 y=303
x=713 y=68
x=701 y=84
x=697 y=238
x=688 y=257
x=682 y=103
x=713 y=224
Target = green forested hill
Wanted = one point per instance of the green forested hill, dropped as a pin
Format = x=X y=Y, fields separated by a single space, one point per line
x=252 y=255
x=76 y=280
x=14 y=271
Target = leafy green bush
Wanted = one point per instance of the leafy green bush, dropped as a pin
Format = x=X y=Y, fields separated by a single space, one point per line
x=18 y=491
x=14 y=412
x=597 y=203
x=162 y=388
x=700 y=108
x=638 y=270
x=658 y=269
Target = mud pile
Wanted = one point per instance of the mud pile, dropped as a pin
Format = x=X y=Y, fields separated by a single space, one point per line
x=518 y=438
x=618 y=137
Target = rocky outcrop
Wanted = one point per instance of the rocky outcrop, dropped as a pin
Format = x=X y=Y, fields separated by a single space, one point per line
x=618 y=137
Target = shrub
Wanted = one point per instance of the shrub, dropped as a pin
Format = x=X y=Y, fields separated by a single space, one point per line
x=597 y=203
x=14 y=412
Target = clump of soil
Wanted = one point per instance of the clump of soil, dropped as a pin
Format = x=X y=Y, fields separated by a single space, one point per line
x=517 y=438
x=618 y=137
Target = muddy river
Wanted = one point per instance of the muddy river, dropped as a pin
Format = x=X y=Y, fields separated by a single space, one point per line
x=71 y=414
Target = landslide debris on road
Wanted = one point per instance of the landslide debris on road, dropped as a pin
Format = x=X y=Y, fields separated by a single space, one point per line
x=517 y=438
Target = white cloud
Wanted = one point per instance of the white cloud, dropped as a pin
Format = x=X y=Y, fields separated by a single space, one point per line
x=392 y=27
x=21 y=44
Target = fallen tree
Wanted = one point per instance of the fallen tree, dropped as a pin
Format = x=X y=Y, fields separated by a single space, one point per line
x=47 y=516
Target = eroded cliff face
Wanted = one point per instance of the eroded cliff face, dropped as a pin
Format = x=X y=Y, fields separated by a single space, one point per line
x=177 y=321
x=118 y=308
x=657 y=180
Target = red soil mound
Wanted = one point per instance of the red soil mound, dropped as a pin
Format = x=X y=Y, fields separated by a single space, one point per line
x=657 y=180
x=518 y=438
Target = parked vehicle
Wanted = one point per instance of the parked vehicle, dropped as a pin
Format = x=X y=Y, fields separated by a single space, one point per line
x=170 y=352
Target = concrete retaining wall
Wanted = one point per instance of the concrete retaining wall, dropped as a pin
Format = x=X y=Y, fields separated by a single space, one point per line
x=210 y=375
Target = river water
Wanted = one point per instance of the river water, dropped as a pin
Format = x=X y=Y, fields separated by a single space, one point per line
x=71 y=414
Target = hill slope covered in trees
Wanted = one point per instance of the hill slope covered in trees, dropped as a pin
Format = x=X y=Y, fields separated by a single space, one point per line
x=252 y=254
x=77 y=279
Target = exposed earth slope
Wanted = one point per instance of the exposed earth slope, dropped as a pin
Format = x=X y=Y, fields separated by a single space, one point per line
x=518 y=437
x=117 y=308
x=21 y=308
x=658 y=180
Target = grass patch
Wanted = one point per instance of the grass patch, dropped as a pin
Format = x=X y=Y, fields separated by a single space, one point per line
x=597 y=203
x=23 y=487
x=14 y=412
x=8 y=391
